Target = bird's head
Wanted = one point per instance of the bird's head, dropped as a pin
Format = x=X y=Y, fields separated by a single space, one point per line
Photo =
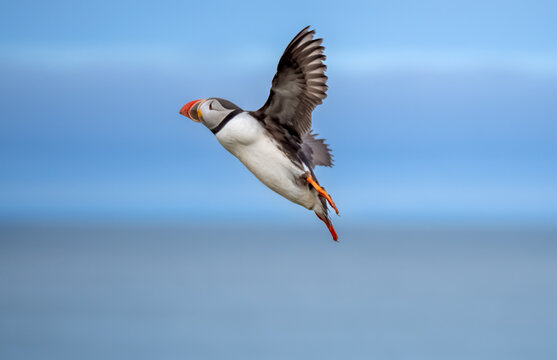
x=210 y=112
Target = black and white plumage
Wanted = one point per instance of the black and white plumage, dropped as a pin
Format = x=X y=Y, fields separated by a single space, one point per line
x=275 y=142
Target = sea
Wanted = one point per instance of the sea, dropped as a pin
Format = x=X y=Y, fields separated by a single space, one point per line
x=193 y=291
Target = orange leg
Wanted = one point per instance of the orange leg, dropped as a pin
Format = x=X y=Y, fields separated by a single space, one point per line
x=322 y=192
x=330 y=227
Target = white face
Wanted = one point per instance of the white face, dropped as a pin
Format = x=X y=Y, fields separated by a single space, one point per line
x=212 y=112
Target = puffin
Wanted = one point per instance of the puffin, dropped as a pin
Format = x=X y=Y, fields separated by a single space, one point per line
x=276 y=142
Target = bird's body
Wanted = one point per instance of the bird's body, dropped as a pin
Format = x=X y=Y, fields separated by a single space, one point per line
x=246 y=139
x=275 y=142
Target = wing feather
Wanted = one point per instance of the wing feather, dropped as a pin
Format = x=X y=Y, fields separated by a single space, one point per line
x=299 y=85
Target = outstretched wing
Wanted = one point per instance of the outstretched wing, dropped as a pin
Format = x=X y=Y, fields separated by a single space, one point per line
x=299 y=85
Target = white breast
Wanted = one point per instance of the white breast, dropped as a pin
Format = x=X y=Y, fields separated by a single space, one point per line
x=246 y=139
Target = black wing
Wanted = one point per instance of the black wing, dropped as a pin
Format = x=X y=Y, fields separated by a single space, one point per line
x=299 y=85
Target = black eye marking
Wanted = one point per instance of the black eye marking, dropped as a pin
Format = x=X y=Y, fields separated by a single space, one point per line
x=211 y=106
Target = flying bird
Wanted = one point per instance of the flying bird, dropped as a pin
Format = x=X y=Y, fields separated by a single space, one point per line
x=276 y=142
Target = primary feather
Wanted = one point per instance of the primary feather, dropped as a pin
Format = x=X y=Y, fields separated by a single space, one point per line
x=299 y=85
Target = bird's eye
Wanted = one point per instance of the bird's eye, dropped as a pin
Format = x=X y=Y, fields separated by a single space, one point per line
x=211 y=106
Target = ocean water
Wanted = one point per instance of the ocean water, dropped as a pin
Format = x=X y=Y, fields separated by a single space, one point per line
x=252 y=292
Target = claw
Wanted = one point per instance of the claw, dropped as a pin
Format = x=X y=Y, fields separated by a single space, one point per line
x=322 y=192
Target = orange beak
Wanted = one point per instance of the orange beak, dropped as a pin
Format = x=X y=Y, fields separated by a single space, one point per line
x=185 y=110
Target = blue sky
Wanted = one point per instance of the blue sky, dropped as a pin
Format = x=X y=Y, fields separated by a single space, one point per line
x=437 y=111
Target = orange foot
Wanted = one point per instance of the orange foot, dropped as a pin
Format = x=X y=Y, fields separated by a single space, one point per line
x=330 y=227
x=322 y=192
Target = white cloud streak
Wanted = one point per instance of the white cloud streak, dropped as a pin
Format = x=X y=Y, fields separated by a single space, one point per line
x=363 y=62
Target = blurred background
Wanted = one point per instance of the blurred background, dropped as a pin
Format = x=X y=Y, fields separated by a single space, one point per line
x=127 y=232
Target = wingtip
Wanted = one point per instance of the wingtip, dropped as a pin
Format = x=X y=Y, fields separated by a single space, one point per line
x=307 y=30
